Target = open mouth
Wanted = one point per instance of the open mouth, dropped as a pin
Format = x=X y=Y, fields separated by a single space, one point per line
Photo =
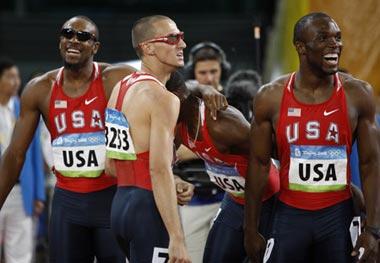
x=331 y=58
x=73 y=51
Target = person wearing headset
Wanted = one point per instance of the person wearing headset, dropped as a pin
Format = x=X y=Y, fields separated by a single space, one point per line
x=208 y=65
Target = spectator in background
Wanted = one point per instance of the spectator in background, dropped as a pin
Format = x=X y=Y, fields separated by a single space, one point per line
x=241 y=88
x=27 y=197
x=208 y=65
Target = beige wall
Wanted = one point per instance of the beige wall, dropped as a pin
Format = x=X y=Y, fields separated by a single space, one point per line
x=360 y=25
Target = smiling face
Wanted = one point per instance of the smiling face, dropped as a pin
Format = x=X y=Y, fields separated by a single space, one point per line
x=321 y=45
x=76 y=53
x=168 y=54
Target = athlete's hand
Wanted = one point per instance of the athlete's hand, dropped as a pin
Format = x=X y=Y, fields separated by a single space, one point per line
x=177 y=251
x=366 y=248
x=184 y=190
x=255 y=247
x=110 y=167
x=214 y=100
x=358 y=201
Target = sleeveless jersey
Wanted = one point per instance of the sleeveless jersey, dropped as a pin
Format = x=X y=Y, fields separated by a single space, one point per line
x=76 y=126
x=314 y=145
x=133 y=172
x=228 y=171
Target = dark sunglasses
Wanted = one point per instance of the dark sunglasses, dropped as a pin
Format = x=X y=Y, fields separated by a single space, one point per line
x=82 y=36
x=171 y=39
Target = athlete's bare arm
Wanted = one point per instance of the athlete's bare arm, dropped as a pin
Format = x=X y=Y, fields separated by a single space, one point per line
x=265 y=109
x=13 y=158
x=164 y=112
x=230 y=132
x=361 y=96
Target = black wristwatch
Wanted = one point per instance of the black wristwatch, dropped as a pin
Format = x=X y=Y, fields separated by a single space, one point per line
x=375 y=231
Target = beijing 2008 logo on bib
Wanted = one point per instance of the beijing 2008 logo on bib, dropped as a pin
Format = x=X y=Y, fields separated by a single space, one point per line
x=119 y=144
x=315 y=168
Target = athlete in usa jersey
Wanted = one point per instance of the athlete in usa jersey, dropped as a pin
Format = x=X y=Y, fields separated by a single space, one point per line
x=145 y=218
x=72 y=101
x=223 y=145
x=314 y=144
x=311 y=117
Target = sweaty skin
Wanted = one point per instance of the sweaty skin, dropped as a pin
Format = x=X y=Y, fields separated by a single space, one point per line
x=314 y=84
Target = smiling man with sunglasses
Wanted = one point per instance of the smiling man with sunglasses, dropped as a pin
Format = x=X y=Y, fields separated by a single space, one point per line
x=71 y=100
x=144 y=214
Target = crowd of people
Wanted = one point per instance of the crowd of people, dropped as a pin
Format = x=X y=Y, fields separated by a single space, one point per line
x=183 y=162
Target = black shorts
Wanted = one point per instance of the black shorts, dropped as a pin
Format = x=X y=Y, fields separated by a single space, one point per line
x=79 y=228
x=137 y=225
x=311 y=236
x=225 y=241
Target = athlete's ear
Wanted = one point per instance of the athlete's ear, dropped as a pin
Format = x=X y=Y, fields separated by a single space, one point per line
x=149 y=49
x=96 y=47
x=300 y=47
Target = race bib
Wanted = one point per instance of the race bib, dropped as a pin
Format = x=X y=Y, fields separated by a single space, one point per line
x=119 y=144
x=227 y=178
x=317 y=168
x=79 y=154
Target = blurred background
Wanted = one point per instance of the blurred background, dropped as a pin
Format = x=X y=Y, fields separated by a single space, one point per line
x=29 y=30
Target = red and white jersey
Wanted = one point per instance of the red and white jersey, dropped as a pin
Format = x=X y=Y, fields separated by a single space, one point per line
x=133 y=172
x=228 y=171
x=314 y=144
x=76 y=126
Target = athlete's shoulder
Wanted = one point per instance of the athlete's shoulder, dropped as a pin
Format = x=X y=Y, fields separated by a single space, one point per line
x=275 y=86
x=350 y=83
x=118 y=71
x=42 y=82
x=359 y=93
x=268 y=99
x=103 y=66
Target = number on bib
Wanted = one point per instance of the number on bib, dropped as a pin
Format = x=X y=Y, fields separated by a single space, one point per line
x=119 y=144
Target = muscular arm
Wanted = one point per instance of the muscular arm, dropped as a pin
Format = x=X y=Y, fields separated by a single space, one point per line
x=258 y=171
x=164 y=114
x=13 y=158
x=369 y=156
x=230 y=132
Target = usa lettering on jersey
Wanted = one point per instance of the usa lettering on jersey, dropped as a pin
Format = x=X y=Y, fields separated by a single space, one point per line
x=78 y=120
x=312 y=131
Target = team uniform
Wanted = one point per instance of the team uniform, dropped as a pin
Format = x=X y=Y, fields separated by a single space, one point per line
x=135 y=219
x=80 y=217
x=225 y=242
x=314 y=213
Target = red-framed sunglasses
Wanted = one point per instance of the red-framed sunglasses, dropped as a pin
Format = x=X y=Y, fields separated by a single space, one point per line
x=171 y=39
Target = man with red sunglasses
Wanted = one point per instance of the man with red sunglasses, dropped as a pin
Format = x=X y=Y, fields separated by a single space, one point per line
x=144 y=214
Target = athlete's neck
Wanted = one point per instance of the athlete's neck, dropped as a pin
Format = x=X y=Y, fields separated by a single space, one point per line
x=78 y=74
x=159 y=71
x=305 y=79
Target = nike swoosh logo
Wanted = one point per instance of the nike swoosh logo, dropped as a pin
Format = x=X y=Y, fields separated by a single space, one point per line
x=208 y=149
x=87 y=102
x=327 y=113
